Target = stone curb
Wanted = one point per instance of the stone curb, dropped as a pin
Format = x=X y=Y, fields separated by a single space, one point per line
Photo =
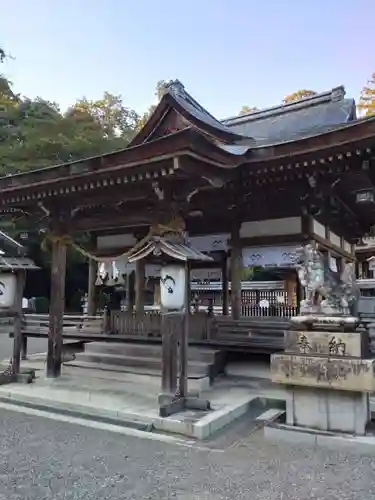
x=311 y=437
x=212 y=422
x=200 y=430
x=81 y=411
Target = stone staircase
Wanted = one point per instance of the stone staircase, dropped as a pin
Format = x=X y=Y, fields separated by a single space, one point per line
x=145 y=359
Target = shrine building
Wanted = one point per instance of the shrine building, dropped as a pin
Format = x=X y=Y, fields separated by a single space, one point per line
x=247 y=191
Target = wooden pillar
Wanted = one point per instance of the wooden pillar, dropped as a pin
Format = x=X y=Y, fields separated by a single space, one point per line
x=299 y=291
x=225 y=285
x=131 y=291
x=340 y=264
x=170 y=329
x=236 y=270
x=140 y=276
x=18 y=340
x=289 y=288
x=91 y=295
x=184 y=341
x=56 y=311
x=359 y=269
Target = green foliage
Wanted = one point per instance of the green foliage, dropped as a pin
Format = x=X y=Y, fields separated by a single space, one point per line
x=34 y=133
x=41 y=305
x=159 y=92
x=298 y=95
x=247 y=109
x=367 y=99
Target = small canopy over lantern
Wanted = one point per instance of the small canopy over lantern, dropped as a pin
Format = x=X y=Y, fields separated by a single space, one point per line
x=174 y=276
x=174 y=295
x=13 y=264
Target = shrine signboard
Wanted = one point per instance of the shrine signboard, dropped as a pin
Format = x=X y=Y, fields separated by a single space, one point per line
x=341 y=373
x=344 y=344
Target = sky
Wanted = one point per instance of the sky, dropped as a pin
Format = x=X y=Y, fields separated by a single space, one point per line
x=227 y=53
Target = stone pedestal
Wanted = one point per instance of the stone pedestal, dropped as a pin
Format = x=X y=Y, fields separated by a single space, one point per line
x=328 y=410
x=328 y=373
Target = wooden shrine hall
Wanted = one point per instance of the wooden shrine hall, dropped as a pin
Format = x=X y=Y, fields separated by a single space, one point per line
x=295 y=173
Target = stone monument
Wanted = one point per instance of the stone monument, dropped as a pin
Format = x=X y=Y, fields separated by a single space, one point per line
x=326 y=364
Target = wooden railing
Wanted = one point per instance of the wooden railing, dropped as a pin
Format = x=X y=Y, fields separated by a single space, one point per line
x=39 y=323
x=149 y=324
x=279 y=311
x=261 y=334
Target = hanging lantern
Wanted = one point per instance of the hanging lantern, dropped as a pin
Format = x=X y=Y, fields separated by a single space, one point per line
x=172 y=287
x=7 y=290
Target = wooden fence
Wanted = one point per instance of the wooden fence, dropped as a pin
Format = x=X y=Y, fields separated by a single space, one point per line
x=150 y=324
x=278 y=311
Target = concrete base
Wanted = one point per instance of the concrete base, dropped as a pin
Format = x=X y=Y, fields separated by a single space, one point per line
x=128 y=401
x=168 y=405
x=328 y=410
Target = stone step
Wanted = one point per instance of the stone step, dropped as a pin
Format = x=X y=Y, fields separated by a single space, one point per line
x=198 y=367
x=207 y=355
x=102 y=368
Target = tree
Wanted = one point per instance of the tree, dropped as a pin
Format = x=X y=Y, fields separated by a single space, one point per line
x=248 y=109
x=367 y=99
x=298 y=95
x=115 y=119
x=34 y=133
x=160 y=89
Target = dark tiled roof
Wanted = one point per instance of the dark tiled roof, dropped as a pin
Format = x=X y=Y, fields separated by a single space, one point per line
x=13 y=263
x=310 y=116
x=11 y=247
x=192 y=107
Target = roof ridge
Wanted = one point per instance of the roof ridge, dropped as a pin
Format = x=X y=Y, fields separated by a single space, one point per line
x=177 y=87
x=333 y=95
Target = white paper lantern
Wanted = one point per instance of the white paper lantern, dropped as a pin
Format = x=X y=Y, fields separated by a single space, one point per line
x=172 y=287
x=8 y=283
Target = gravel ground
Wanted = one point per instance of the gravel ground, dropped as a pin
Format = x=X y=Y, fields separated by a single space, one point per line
x=46 y=459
